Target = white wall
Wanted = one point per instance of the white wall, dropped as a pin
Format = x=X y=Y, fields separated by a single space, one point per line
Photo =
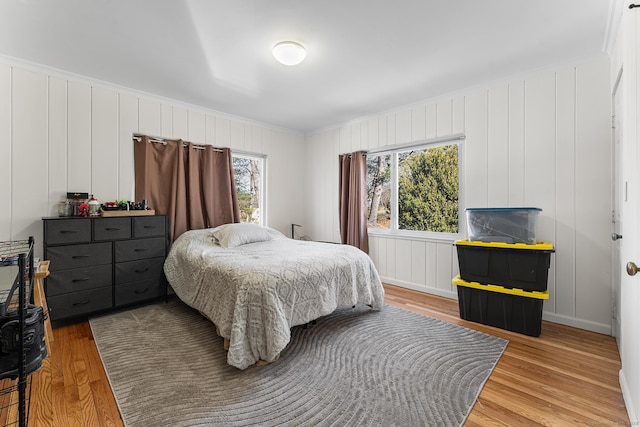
x=64 y=133
x=540 y=141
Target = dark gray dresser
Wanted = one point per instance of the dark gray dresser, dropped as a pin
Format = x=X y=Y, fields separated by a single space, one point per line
x=101 y=263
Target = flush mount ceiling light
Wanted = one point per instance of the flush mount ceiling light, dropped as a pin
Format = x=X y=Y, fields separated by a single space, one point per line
x=289 y=53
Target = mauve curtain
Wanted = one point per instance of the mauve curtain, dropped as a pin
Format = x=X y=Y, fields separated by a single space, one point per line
x=353 y=200
x=193 y=185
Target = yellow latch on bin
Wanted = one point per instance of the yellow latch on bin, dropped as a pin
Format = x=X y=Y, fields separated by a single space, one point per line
x=500 y=289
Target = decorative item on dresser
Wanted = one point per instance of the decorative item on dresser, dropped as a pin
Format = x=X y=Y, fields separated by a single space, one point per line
x=102 y=263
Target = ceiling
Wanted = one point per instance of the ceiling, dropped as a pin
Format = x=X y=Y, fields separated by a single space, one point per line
x=364 y=56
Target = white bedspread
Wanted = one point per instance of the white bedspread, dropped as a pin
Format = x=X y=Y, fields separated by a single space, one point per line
x=254 y=293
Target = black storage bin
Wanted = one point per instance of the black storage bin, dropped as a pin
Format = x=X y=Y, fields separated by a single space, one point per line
x=512 y=265
x=509 y=309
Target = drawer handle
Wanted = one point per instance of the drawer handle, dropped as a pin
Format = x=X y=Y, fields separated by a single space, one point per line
x=141 y=291
x=79 y=256
x=140 y=249
x=80 y=280
x=149 y=226
x=68 y=231
x=112 y=229
x=76 y=304
x=144 y=270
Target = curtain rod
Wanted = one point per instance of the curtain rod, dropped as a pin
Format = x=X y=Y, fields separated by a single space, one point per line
x=161 y=140
x=440 y=139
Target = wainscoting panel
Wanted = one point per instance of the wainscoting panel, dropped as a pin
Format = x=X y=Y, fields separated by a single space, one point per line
x=431 y=121
x=210 y=130
x=373 y=134
x=540 y=141
x=236 y=136
x=476 y=151
x=128 y=125
x=149 y=116
x=563 y=296
x=57 y=149
x=166 y=121
x=223 y=132
x=5 y=147
x=104 y=143
x=79 y=136
x=516 y=144
x=382 y=129
x=403 y=259
x=498 y=149
x=444 y=119
x=444 y=271
x=403 y=126
x=419 y=268
x=391 y=129
x=418 y=123
x=28 y=188
x=593 y=193
x=180 y=124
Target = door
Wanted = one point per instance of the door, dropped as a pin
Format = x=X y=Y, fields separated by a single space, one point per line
x=629 y=248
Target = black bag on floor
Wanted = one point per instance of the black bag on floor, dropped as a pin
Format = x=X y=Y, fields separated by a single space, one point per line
x=34 y=341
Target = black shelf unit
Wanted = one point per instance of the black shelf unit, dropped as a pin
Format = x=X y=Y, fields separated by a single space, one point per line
x=16 y=273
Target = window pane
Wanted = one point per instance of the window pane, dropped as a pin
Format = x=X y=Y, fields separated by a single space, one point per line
x=428 y=189
x=379 y=191
x=248 y=174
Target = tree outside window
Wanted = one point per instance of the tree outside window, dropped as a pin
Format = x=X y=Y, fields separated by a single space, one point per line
x=422 y=194
x=379 y=191
x=248 y=171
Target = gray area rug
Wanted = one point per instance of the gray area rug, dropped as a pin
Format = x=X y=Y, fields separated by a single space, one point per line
x=355 y=367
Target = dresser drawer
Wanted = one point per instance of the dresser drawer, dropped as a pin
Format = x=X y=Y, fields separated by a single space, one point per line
x=140 y=291
x=78 y=279
x=111 y=228
x=78 y=256
x=67 y=231
x=78 y=303
x=149 y=226
x=130 y=250
x=142 y=269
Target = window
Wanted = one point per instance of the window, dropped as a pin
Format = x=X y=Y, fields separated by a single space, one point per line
x=249 y=174
x=414 y=189
x=379 y=191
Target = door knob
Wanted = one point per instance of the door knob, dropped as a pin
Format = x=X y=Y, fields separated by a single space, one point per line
x=632 y=268
x=616 y=236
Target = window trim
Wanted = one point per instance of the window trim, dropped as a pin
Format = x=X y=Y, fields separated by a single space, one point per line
x=393 y=150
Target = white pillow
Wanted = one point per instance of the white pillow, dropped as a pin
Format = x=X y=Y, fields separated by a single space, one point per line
x=232 y=235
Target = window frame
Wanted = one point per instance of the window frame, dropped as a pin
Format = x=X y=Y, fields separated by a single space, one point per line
x=393 y=151
x=263 y=180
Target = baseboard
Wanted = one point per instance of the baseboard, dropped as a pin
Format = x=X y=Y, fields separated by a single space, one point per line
x=419 y=288
x=626 y=395
x=588 y=325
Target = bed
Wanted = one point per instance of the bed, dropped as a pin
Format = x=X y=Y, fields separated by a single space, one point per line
x=255 y=284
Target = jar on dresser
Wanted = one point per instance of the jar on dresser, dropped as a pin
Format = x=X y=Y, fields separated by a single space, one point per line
x=102 y=263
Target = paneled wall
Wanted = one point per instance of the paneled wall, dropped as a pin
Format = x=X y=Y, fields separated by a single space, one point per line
x=60 y=134
x=540 y=141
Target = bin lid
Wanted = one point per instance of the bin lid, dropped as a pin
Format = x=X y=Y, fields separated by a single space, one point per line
x=540 y=246
x=504 y=209
x=500 y=289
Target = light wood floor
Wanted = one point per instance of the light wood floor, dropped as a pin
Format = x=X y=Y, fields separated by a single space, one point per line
x=566 y=376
